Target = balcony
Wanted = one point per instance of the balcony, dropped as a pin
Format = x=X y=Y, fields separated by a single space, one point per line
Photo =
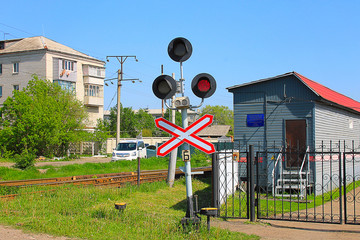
x=92 y=71
x=93 y=101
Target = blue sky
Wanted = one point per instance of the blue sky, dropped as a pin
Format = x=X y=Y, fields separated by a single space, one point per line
x=235 y=41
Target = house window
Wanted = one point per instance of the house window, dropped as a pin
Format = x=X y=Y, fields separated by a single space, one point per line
x=2 y=45
x=0 y=91
x=93 y=90
x=66 y=85
x=16 y=87
x=16 y=67
x=0 y=68
x=68 y=65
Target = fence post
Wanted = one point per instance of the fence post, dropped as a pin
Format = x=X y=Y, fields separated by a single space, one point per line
x=215 y=182
x=252 y=183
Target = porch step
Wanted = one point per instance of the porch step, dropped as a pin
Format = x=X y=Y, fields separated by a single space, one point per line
x=292 y=183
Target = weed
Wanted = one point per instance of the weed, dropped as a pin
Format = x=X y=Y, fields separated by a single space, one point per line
x=153 y=212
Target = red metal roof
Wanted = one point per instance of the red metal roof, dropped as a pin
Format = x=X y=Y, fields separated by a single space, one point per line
x=330 y=95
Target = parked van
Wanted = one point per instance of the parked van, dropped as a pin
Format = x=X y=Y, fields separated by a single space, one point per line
x=129 y=150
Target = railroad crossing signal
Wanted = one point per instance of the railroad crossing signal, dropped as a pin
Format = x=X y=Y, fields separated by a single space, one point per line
x=203 y=85
x=164 y=87
x=180 y=49
x=185 y=135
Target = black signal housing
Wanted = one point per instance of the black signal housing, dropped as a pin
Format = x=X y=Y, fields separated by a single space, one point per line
x=203 y=85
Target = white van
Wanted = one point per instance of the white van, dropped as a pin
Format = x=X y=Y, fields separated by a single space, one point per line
x=129 y=150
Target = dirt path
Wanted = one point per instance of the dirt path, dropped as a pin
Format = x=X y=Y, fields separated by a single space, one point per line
x=10 y=233
x=276 y=229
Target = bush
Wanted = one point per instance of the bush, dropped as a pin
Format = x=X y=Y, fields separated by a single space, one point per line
x=200 y=158
x=25 y=160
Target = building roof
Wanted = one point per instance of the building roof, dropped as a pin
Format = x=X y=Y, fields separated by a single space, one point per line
x=215 y=131
x=39 y=43
x=320 y=90
x=328 y=94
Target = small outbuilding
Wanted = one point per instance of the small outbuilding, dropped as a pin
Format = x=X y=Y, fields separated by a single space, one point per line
x=293 y=112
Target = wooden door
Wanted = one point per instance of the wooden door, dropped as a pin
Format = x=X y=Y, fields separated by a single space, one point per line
x=295 y=142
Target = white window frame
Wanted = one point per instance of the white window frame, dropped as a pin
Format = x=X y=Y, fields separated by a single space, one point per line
x=16 y=67
x=68 y=65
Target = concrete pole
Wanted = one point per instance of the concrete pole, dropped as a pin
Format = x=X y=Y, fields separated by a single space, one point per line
x=118 y=105
x=173 y=154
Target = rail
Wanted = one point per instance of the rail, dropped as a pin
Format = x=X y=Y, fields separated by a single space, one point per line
x=111 y=179
x=301 y=170
x=273 y=171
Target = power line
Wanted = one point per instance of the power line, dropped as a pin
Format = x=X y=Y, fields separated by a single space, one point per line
x=17 y=29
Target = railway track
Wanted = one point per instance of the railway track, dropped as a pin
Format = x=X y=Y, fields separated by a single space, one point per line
x=110 y=179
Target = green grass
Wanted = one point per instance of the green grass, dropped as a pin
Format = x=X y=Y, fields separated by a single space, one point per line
x=91 y=168
x=153 y=211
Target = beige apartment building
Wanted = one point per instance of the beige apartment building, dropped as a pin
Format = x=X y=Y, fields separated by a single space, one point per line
x=71 y=69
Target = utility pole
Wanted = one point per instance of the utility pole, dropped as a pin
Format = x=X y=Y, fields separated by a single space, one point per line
x=120 y=78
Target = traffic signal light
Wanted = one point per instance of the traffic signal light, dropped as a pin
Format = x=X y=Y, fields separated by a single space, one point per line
x=180 y=49
x=164 y=87
x=203 y=85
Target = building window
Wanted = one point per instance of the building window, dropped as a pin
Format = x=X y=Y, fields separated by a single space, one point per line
x=2 y=45
x=16 y=87
x=93 y=90
x=16 y=67
x=0 y=91
x=0 y=68
x=68 y=65
x=66 y=85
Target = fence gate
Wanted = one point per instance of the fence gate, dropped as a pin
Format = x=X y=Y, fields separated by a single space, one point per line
x=351 y=181
x=324 y=187
x=231 y=184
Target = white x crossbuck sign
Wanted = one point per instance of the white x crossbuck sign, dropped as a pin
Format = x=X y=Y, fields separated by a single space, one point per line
x=185 y=135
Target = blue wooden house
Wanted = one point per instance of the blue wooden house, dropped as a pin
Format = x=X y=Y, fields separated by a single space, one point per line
x=292 y=113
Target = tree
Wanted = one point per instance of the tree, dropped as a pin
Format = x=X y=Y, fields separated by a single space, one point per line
x=145 y=123
x=101 y=133
x=222 y=114
x=131 y=123
x=42 y=119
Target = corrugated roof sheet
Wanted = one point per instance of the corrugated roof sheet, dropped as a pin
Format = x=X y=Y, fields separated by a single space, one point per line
x=328 y=94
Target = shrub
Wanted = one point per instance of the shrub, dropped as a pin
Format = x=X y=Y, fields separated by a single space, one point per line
x=25 y=160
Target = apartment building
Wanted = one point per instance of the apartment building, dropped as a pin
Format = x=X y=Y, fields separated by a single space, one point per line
x=71 y=69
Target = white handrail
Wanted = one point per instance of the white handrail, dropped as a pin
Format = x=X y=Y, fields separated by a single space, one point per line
x=273 y=171
x=301 y=168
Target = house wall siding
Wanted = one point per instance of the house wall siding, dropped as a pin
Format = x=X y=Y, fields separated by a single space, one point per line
x=333 y=127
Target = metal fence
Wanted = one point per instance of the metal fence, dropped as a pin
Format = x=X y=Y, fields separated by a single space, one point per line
x=322 y=185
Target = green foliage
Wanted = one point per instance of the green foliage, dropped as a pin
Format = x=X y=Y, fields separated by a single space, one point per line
x=222 y=114
x=25 y=160
x=101 y=132
x=131 y=123
x=199 y=158
x=42 y=118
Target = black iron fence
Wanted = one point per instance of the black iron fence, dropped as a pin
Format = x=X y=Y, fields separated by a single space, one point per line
x=312 y=185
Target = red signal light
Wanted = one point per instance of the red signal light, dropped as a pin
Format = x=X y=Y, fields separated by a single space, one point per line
x=204 y=85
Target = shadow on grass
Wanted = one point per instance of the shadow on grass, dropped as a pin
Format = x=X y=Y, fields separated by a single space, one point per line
x=204 y=197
